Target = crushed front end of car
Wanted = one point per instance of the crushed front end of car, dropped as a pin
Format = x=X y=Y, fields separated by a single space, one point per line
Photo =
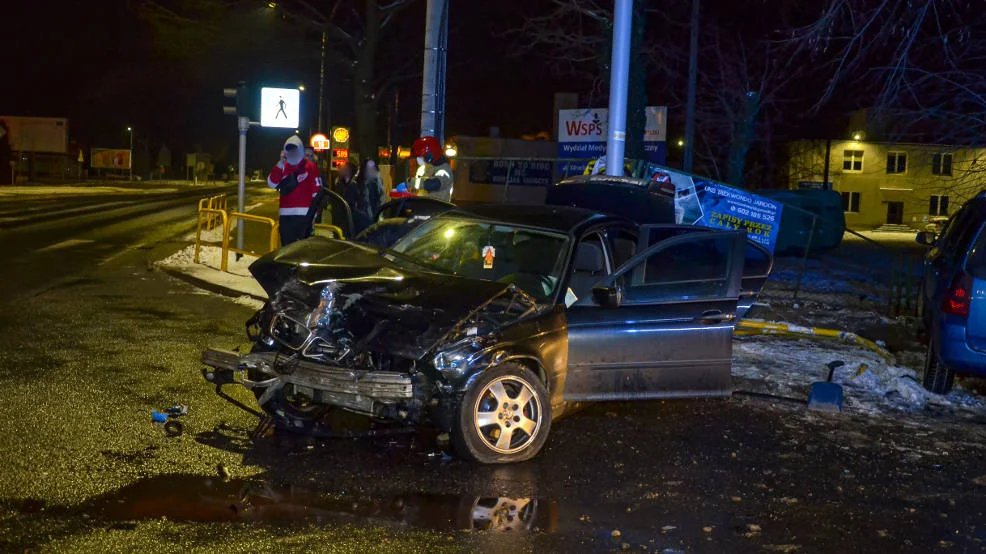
x=367 y=337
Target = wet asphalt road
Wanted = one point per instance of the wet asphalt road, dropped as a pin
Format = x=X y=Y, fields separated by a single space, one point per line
x=88 y=351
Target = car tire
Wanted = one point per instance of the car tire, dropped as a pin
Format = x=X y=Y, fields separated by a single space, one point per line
x=504 y=399
x=297 y=417
x=937 y=377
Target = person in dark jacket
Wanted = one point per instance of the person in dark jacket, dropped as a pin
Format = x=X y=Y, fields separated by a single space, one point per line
x=369 y=176
x=346 y=174
x=358 y=197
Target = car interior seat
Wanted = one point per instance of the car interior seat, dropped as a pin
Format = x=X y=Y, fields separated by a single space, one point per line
x=589 y=267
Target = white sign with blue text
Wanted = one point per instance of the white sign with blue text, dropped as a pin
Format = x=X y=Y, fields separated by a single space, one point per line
x=582 y=133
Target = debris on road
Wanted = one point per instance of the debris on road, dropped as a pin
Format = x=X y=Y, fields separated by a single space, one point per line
x=168 y=417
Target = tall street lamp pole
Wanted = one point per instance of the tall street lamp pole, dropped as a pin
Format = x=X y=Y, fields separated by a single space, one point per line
x=619 y=75
x=130 y=131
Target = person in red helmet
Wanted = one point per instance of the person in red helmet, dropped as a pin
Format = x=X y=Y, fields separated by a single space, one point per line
x=434 y=176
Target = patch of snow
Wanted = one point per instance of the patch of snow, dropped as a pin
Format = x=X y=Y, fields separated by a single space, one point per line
x=249 y=302
x=788 y=366
x=210 y=256
x=207 y=235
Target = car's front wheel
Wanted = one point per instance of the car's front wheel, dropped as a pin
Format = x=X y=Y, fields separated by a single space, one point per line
x=937 y=378
x=504 y=417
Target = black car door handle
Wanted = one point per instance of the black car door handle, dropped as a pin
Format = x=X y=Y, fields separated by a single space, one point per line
x=715 y=316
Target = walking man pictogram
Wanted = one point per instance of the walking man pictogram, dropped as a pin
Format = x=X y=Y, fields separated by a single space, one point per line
x=280 y=110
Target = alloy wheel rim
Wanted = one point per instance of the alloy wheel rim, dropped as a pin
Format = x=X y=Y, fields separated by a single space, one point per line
x=507 y=414
x=503 y=514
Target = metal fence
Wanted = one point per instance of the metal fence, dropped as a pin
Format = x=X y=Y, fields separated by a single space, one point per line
x=882 y=276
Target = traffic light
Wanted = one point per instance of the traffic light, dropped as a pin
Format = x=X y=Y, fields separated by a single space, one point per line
x=235 y=100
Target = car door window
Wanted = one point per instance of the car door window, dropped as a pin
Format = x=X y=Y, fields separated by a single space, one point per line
x=957 y=231
x=757 y=259
x=697 y=266
x=623 y=243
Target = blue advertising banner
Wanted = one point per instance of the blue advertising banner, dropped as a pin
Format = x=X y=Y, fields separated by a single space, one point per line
x=710 y=204
x=726 y=207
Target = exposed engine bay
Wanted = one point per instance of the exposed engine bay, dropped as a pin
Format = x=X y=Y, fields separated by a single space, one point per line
x=388 y=344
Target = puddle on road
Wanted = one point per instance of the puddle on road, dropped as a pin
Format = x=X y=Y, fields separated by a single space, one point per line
x=203 y=499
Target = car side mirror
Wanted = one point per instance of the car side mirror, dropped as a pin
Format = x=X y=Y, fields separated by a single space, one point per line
x=926 y=238
x=607 y=297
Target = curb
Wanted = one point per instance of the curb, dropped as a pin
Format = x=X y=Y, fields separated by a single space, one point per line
x=208 y=286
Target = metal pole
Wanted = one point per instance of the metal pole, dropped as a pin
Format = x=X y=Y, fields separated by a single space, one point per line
x=131 y=132
x=319 y=125
x=619 y=74
x=688 y=162
x=431 y=83
x=828 y=160
x=244 y=126
x=440 y=85
x=804 y=259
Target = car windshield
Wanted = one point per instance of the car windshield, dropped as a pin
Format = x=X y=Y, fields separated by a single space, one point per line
x=530 y=258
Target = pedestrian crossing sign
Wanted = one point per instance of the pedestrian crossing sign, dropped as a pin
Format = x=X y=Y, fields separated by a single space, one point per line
x=279 y=107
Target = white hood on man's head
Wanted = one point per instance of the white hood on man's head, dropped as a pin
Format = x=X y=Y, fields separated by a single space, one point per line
x=294 y=158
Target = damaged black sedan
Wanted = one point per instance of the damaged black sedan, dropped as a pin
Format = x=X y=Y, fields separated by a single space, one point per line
x=489 y=323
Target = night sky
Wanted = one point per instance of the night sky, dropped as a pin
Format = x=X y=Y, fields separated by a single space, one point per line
x=102 y=65
x=96 y=64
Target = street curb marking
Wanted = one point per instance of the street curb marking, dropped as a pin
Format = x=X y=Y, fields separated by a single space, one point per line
x=208 y=286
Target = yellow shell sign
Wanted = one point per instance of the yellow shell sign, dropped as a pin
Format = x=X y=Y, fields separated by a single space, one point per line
x=340 y=134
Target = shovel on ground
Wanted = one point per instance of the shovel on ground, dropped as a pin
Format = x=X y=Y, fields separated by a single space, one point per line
x=826 y=396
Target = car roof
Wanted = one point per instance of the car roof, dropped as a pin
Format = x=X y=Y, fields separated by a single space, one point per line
x=609 y=180
x=563 y=219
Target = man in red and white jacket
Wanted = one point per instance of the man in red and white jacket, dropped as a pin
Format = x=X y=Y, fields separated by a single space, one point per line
x=298 y=180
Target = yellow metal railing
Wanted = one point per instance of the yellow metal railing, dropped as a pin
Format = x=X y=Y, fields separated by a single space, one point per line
x=274 y=237
x=335 y=230
x=217 y=202
x=750 y=327
x=217 y=214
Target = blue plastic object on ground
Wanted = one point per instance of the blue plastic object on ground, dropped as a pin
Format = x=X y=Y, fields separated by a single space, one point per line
x=826 y=396
x=158 y=417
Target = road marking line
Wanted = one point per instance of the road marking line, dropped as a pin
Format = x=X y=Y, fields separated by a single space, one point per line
x=64 y=244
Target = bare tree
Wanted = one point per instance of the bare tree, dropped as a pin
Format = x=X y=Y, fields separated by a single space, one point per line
x=354 y=30
x=574 y=38
x=920 y=64
x=745 y=76
x=745 y=92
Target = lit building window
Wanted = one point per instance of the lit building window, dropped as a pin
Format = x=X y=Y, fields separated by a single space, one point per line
x=850 y=202
x=852 y=161
x=941 y=164
x=896 y=163
x=938 y=205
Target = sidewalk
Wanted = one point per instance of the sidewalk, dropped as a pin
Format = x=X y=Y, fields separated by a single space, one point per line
x=236 y=281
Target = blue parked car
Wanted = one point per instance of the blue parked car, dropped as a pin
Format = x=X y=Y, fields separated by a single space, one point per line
x=953 y=295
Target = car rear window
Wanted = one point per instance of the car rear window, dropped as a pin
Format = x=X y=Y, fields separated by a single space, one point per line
x=976 y=264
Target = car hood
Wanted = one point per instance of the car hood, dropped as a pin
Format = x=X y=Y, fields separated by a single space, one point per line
x=379 y=305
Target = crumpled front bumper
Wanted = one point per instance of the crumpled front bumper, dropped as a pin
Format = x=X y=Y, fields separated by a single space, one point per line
x=375 y=393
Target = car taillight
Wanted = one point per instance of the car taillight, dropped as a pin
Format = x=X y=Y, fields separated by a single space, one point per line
x=959 y=295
